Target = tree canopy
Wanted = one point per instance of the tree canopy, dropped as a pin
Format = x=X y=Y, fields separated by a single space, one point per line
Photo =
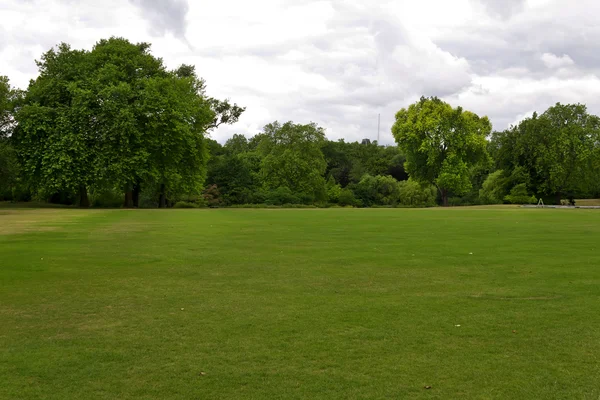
x=441 y=143
x=115 y=117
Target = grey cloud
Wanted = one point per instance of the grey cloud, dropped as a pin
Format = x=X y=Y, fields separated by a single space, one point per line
x=165 y=15
x=521 y=41
x=503 y=8
x=374 y=65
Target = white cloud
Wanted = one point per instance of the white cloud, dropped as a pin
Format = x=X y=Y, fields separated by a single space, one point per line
x=554 y=61
x=338 y=62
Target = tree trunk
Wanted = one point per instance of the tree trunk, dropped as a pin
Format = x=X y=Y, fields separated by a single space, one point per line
x=162 y=200
x=128 y=202
x=136 y=195
x=84 y=201
x=444 y=197
x=558 y=198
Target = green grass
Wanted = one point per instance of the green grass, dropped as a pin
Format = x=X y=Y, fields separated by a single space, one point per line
x=300 y=304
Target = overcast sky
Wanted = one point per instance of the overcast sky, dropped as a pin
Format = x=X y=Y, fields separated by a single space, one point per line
x=339 y=63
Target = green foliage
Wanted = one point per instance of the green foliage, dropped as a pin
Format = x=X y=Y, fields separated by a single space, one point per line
x=185 y=204
x=9 y=97
x=520 y=195
x=349 y=162
x=116 y=117
x=493 y=189
x=413 y=194
x=384 y=190
x=281 y=195
x=333 y=190
x=292 y=158
x=557 y=151
x=347 y=198
x=441 y=143
x=9 y=172
x=106 y=199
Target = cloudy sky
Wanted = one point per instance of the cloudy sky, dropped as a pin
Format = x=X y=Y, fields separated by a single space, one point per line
x=339 y=63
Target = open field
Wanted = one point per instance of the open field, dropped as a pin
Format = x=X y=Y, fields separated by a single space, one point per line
x=477 y=303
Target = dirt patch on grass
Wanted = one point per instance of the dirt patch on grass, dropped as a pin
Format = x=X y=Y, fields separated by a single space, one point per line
x=516 y=298
x=123 y=226
x=22 y=221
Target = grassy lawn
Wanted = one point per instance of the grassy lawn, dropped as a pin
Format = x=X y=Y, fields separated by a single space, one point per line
x=497 y=303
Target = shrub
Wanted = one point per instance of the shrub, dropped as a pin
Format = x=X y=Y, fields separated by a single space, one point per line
x=519 y=195
x=212 y=196
x=346 y=198
x=333 y=191
x=493 y=190
x=281 y=195
x=413 y=194
x=185 y=204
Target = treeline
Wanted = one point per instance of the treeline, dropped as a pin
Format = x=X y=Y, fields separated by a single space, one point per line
x=114 y=127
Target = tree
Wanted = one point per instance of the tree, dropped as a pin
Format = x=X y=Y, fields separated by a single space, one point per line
x=493 y=189
x=9 y=166
x=292 y=158
x=55 y=135
x=555 y=151
x=441 y=143
x=115 y=117
x=177 y=115
x=8 y=98
x=565 y=139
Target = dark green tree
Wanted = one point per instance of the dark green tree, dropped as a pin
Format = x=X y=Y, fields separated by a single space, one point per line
x=292 y=158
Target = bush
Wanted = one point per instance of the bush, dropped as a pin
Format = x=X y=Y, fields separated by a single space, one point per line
x=212 y=196
x=281 y=195
x=413 y=194
x=185 y=204
x=347 y=198
x=493 y=190
x=520 y=195
x=377 y=190
x=333 y=191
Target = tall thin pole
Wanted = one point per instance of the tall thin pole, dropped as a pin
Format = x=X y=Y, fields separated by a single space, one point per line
x=378 y=126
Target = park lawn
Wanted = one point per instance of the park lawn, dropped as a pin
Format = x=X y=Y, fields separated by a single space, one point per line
x=498 y=303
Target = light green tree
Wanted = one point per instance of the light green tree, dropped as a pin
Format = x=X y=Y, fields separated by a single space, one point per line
x=441 y=143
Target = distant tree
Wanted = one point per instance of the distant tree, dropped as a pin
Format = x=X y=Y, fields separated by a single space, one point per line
x=493 y=189
x=441 y=144
x=349 y=162
x=413 y=194
x=8 y=98
x=292 y=158
x=555 y=151
x=9 y=165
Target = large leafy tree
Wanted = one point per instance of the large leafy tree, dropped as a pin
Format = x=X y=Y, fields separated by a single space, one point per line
x=115 y=117
x=9 y=166
x=120 y=75
x=177 y=112
x=557 y=151
x=8 y=97
x=55 y=135
x=293 y=159
x=441 y=144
